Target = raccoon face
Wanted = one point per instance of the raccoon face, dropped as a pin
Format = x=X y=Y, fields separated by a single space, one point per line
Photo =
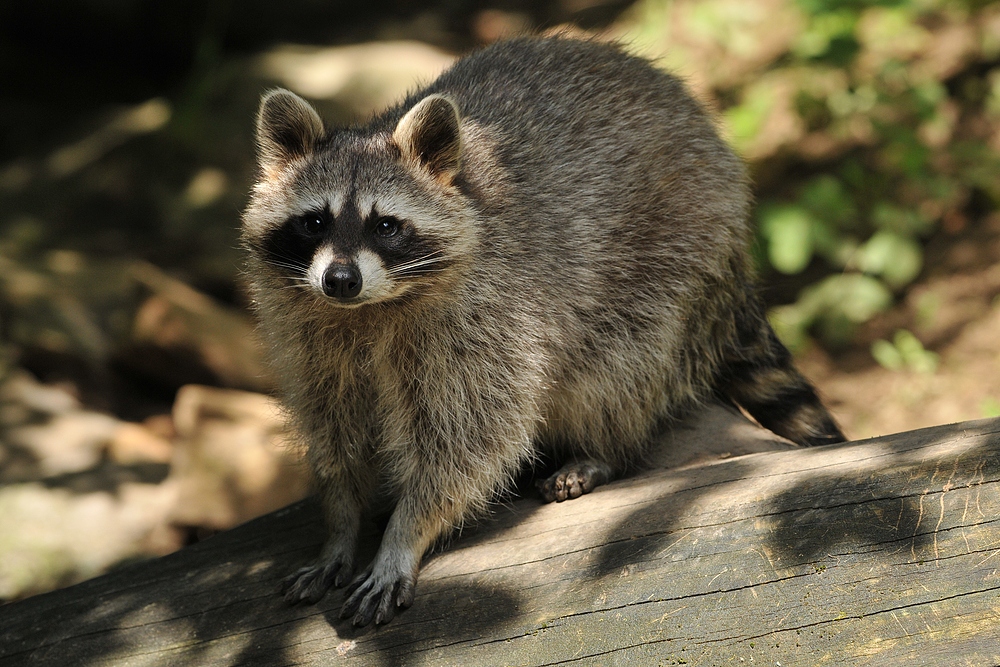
x=357 y=218
x=350 y=257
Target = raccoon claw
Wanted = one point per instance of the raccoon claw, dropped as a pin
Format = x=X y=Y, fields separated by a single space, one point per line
x=573 y=480
x=309 y=584
x=373 y=597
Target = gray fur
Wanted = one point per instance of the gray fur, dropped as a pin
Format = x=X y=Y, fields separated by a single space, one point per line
x=588 y=281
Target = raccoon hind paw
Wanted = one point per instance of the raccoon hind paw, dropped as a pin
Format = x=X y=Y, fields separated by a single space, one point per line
x=573 y=480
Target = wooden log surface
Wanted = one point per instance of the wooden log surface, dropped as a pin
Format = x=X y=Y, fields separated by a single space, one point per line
x=879 y=552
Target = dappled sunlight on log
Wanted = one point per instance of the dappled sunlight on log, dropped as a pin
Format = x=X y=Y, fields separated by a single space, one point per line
x=877 y=548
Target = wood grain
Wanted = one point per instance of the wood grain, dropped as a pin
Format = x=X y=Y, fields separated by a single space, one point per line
x=880 y=552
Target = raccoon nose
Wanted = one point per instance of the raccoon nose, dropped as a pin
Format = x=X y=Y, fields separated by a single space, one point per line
x=342 y=281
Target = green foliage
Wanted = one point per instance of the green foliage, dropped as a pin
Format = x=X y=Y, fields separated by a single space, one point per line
x=789 y=231
x=818 y=222
x=905 y=352
x=873 y=122
x=895 y=258
x=834 y=306
x=829 y=36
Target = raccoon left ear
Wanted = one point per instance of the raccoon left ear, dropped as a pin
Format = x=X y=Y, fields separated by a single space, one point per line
x=429 y=135
x=287 y=127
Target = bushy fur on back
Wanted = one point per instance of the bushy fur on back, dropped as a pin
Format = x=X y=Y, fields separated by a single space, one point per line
x=570 y=272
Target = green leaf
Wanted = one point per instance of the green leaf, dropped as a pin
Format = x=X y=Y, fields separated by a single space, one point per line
x=887 y=356
x=837 y=304
x=827 y=29
x=826 y=198
x=746 y=119
x=788 y=230
x=898 y=259
x=858 y=297
x=914 y=354
x=889 y=217
x=904 y=352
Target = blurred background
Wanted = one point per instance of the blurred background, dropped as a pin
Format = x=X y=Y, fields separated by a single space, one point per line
x=134 y=416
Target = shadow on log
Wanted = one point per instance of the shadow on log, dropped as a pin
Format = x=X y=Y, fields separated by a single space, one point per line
x=746 y=549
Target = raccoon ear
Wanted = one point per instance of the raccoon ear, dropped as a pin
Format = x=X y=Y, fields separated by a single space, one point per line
x=287 y=127
x=429 y=135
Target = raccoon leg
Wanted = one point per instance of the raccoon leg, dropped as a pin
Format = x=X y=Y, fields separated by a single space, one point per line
x=437 y=498
x=761 y=377
x=574 y=479
x=342 y=511
x=390 y=579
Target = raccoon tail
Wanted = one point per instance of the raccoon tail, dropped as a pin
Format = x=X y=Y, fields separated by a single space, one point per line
x=760 y=377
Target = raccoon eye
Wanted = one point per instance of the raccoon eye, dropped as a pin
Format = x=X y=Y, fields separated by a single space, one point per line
x=312 y=224
x=386 y=227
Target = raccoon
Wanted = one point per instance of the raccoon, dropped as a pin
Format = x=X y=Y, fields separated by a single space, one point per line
x=543 y=252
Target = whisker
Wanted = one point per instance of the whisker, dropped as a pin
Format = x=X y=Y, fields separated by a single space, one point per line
x=436 y=255
x=417 y=266
x=404 y=269
x=294 y=266
x=416 y=273
x=414 y=265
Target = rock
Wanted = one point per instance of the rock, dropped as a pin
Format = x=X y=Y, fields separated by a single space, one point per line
x=44 y=431
x=51 y=537
x=124 y=333
x=136 y=443
x=67 y=511
x=22 y=397
x=68 y=442
x=178 y=327
x=233 y=459
x=81 y=491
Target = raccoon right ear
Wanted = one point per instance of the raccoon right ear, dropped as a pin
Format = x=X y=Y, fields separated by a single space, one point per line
x=287 y=128
x=429 y=135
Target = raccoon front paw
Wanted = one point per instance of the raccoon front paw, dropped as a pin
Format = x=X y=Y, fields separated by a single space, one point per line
x=376 y=596
x=309 y=584
x=573 y=480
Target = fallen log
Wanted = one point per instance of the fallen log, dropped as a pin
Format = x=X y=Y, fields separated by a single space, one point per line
x=878 y=552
